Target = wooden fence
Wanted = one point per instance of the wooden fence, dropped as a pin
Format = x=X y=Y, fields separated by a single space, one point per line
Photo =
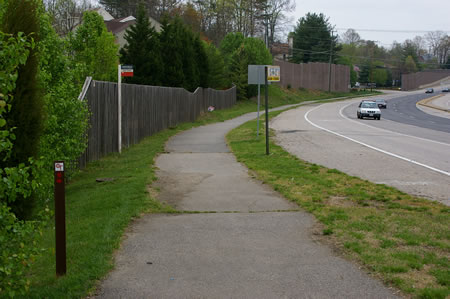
x=146 y=110
x=419 y=79
x=314 y=75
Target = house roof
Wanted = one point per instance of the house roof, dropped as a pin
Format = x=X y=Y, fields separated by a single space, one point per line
x=117 y=25
x=280 y=48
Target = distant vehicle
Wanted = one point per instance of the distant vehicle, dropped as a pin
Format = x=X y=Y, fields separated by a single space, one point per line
x=368 y=109
x=429 y=90
x=445 y=89
x=381 y=103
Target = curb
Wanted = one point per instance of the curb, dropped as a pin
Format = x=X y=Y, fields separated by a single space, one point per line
x=427 y=101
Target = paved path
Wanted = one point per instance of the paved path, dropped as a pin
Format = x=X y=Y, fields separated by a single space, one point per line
x=255 y=244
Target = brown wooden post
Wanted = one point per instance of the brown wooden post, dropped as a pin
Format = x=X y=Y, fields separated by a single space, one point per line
x=60 y=219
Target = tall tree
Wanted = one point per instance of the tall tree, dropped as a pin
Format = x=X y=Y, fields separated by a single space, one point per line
x=143 y=51
x=95 y=48
x=277 y=18
x=216 y=64
x=351 y=37
x=410 y=65
x=172 y=55
x=26 y=114
x=313 y=39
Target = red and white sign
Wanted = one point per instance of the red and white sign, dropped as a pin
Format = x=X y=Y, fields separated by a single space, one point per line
x=59 y=166
x=126 y=71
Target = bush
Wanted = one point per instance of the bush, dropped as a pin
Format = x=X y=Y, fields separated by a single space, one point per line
x=17 y=238
x=64 y=136
x=239 y=56
x=24 y=116
x=18 y=250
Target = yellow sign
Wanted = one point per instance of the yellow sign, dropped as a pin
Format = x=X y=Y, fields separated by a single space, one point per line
x=273 y=73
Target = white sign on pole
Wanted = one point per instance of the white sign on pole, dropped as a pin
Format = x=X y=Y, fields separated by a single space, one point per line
x=59 y=166
x=256 y=74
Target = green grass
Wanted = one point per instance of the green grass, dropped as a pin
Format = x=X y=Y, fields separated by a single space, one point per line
x=98 y=213
x=403 y=239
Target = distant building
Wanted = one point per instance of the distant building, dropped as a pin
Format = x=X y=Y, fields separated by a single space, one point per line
x=280 y=51
x=118 y=27
x=105 y=15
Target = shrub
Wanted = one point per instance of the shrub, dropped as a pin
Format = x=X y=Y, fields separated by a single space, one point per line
x=17 y=238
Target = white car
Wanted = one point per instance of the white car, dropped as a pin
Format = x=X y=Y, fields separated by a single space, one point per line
x=368 y=109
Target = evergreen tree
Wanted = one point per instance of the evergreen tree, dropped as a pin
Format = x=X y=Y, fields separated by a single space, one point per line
x=216 y=64
x=143 y=51
x=190 y=69
x=238 y=71
x=171 y=55
x=26 y=115
x=202 y=62
x=312 y=38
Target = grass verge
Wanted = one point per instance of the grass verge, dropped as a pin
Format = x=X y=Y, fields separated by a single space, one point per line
x=98 y=213
x=402 y=239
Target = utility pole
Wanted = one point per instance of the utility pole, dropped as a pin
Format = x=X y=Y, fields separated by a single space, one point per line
x=329 y=63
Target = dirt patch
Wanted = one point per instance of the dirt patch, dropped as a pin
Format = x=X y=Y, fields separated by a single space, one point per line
x=340 y=201
x=175 y=186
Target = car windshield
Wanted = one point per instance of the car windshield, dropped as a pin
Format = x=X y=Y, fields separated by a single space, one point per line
x=380 y=101
x=369 y=105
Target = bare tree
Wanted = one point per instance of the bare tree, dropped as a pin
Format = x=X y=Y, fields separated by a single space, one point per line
x=67 y=14
x=276 y=11
x=434 y=39
x=351 y=37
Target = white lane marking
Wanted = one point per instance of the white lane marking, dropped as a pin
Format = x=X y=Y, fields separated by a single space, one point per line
x=380 y=129
x=372 y=147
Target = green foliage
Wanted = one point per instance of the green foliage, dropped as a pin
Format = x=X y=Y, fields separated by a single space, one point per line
x=238 y=70
x=184 y=57
x=250 y=51
x=172 y=55
x=17 y=238
x=143 y=51
x=64 y=136
x=410 y=65
x=217 y=78
x=312 y=39
x=230 y=43
x=25 y=113
x=18 y=250
x=94 y=47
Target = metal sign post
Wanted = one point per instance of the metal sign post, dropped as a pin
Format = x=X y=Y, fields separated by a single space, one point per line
x=272 y=74
x=123 y=71
x=119 y=109
x=256 y=76
x=60 y=219
x=267 y=109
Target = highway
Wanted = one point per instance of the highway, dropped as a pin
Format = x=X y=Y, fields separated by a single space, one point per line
x=407 y=149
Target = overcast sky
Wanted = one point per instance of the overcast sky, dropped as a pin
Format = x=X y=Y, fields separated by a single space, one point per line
x=411 y=15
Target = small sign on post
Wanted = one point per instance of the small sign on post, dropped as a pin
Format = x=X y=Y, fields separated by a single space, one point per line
x=60 y=218
x=127 y=71
x=273 y=73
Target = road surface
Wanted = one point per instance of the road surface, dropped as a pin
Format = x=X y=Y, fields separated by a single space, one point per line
x=412 y=158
